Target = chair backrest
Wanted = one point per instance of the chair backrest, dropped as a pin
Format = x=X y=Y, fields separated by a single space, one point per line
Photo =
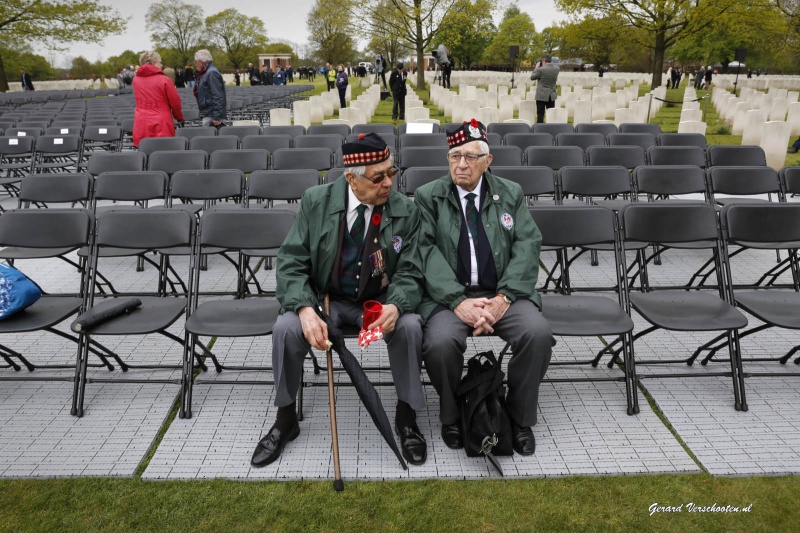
x=790 y=178
x=56 y=188
x=495 y=139
x=669 y=179
x=245 y=160
x=171 y=161
x=150 y=145
x=643 y=140
x=64 y=130
x=677 y=155
x=731 y=156
x=281 y=184
x=199 y=131
x=302 y=158
x=245 y=229
x=17 y=145
x=24 y=132
x=553 y=128
x=390 y=139
x=110 y=161
x=423 y=156
x=423 y=139
x=331 y=141
x=524 y=140
x=136 y=186
x=339 y=129
x=603 y=128
x=333 y=174
x=506 y=156
x=762 y=223
x=668 y=222
x=581 y=140
x=574 y=225
x=503 y=128
x=554 y=157
x=45 y=228
x=211 y=144
x=594 y=181
x=375 y=128
x=629 y=157
x=240 y=131
x=742 y=180
x=683 y=139
x=58 y=144
x=209 y=184
x=534 y=181
x=270 y=143
x=147 y=229
x=292 y=131
x=104 y=134
x=631 y=127
x=415 y=177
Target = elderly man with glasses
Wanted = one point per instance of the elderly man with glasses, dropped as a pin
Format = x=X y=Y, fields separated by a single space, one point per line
x=356 y=240
x=481 y=252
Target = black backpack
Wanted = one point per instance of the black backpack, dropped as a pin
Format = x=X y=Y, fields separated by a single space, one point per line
x=485 y=425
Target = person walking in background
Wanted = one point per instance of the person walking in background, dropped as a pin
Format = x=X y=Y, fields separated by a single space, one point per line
x=330 y=76
x=547 y=74
x=397 y=82
x=189 y=76
x=709 y=73
x=120 y=78
x=157 y=100
x=210 y=90
x=27 y=82
x=180 y=82
x=278 y=76
x=699 y=77
x=341 y=84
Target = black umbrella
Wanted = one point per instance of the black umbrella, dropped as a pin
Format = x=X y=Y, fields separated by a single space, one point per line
x=366 y=390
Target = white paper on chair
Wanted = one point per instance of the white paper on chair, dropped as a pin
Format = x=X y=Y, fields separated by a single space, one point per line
x=58 y=141
x=21 y=134
x=103 y=131
x=13 y=141
x=64 y=131
x=419 y=127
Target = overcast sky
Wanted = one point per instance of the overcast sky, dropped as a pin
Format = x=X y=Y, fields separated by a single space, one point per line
x=283 y=20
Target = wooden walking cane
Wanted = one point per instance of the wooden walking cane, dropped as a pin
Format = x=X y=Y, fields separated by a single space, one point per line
x=338 y=484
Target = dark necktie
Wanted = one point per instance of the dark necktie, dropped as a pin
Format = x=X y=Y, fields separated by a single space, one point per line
x=472 y=220
x=357 y=230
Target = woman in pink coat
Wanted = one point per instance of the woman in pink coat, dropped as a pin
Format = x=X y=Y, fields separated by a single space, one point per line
x=157 y=101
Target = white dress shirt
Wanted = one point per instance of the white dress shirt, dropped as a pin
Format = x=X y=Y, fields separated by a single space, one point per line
x=352 y=214
x=473 y=258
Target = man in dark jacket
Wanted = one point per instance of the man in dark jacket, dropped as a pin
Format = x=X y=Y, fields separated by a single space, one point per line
x=210 y=90
x=27 y=82
x=397 y=83
x=356 y=240
x=481 y=252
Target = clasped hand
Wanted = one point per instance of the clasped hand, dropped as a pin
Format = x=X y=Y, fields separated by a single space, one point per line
x=481 y=313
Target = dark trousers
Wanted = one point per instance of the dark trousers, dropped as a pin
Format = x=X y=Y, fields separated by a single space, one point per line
x=445 y=340
x=541 y=106
x=342 y=102
x=446 y=78
x=399 y=104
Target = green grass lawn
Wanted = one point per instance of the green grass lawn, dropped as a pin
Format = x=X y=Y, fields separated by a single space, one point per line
x=600 y=503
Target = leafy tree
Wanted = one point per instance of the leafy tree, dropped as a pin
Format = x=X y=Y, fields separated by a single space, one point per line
x=664 y=21
x=239 y=35
x=467 y=30
x=281 y=48
x=595 y=40
x=128 y=57
x=552 y=40
x=327 y=23
x=81 y=68
x=516 y=29
x=53 y=23
x=175 y=24
x=35 y=65
x=387 y=38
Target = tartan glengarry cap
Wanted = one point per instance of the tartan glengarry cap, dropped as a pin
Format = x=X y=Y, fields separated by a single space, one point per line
x=369 y=149
x=467 y=132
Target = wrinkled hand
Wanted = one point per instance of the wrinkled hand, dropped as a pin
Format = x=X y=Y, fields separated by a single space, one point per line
x=388 y=318
x=473 y=313
x=315 y=330
x=497 y=307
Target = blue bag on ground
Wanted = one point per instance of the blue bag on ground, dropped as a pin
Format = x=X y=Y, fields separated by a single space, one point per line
x=16 y=291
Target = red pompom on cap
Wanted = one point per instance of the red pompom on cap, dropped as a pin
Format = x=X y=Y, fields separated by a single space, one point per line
x=360 y=136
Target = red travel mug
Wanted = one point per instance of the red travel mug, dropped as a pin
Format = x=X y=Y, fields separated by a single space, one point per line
x=372 y=312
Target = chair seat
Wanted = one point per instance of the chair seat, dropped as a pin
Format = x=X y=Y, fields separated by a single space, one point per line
x=15 y=252
x=769 y=245
x=153 y=315
x=730 y=200
x=234 y=318
x=687 y=311
x=45 y=312
x=110 y=251
x=614 y=205
x=585 y=315
x=779 y=308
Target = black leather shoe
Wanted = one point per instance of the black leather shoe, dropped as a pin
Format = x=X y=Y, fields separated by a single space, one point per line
x=269 y=448
x=791 y=150
x=451 y=435
x=412 y=444
x=522 y=439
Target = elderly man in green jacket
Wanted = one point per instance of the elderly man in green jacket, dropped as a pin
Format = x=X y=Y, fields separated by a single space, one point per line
x=481 y=252
x=356 y=240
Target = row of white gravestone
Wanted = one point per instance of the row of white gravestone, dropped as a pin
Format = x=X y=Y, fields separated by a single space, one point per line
x=522 y=79
x=315 y=109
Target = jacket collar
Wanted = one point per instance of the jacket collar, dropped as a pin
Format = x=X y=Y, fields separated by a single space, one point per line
x=492 y=187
